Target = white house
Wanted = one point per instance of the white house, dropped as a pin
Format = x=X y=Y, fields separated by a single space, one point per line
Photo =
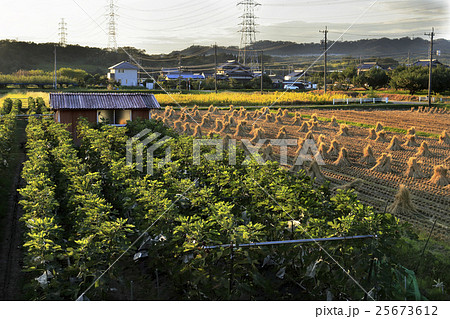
x=125 y=73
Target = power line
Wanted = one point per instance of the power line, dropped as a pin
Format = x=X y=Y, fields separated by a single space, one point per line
x=62 y=33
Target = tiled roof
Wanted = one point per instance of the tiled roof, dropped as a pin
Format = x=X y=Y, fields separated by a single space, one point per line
x=102 y=101
x=124 y=65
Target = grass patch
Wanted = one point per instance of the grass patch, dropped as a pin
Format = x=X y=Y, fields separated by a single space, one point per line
x=431 y=267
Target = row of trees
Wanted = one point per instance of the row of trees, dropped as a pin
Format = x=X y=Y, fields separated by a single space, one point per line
x=412 y=79
x=35 y=106
x=209 y=84
x=66 y=76
x=7 y=126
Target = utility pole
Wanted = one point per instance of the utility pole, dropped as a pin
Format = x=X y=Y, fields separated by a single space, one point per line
x=55 y=77
x=325 y=48
x=215 y=67
x=179 y=71
x=262 y=71
x=431 y=34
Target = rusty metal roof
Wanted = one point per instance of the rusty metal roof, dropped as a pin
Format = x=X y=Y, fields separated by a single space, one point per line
x=102 y=101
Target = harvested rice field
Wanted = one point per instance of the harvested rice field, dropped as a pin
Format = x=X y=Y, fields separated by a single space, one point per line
x=413 y=150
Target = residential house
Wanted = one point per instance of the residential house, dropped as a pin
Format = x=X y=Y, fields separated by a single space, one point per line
x=125 y=73
x=367 y=66
x=232 y=69
x=426 y=62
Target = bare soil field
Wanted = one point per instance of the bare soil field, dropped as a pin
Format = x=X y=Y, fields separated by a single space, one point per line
x=377 y=183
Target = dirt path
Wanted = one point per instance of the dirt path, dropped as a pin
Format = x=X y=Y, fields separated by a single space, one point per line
x=11 y=237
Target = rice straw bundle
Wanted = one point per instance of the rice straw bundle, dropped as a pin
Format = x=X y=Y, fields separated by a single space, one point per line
x=313 y=125
x=286 y=114
x=258 y=135
x=321 y=139
x=334 y=148
x=304 y=128
x=187 y=129
x=372 y=134
x=414 y=169
x=198 y=131
x=395 y=145
x=314 y=117
x=205 y=121
x=368 y=157
x=411 y=131
x=378 y=127
x=314 y=171
x=334 y=122
x=182 y=117
x=278 y=119
x=226 y=128
x=343 y=130
x=297 y=119
x=219 y=125
x=248 y=116
x=323 y=150
x=267 y=154
x=196 y=115
x=282 y=134
x=309 y=136
x=444 y=138
x=439 y=177
x=240 y=131
x=383 y=164
x=178 y=126
x=231 y=108
x=343 y=158
x=402 y=203
x=254 y=127
x=381 y=136
x=232 y=121
x=411 y=141
x=279 y=112
x=349 y=186
x=269 y=118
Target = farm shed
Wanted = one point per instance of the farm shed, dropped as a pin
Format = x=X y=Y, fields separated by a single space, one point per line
x=113 y=108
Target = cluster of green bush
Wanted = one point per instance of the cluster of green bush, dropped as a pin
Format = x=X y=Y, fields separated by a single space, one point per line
x=412 y=79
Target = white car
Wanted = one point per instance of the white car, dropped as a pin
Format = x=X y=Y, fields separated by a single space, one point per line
x=290 y=87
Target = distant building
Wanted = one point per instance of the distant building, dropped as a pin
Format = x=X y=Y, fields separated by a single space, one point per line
x=125 y=73
x=426 y=62
x=113 y=108
x=295 y=76
x=235 y=70
x=367 y=66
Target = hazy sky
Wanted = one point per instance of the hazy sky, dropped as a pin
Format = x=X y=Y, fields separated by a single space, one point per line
x=162 y=26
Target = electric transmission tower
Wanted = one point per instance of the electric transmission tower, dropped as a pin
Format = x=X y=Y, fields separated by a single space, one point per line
x=62 y=33
x=112 y=34
x=247 y=55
